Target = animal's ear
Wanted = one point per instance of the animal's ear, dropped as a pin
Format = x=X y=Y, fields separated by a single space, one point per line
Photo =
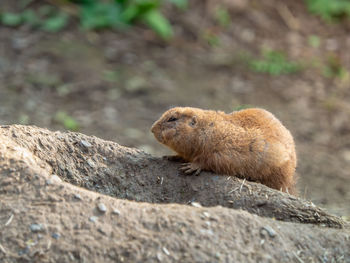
x=193 y=121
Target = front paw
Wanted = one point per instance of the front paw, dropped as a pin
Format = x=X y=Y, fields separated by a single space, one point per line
x=190 y=168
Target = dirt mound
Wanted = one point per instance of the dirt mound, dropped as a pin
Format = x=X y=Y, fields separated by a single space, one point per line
x=46 y=217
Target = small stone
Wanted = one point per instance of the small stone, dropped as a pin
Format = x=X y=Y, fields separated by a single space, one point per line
x=77 y=196
x=90 y=163
x=166 y=251
x=270 y=231
x=53 y=179
x=196 y=204
x=56 y=235
x=93 y=219
x=206 y=214
x=86 y=144
x=37 y=227
x=23 y=251
x=116 y=211
x=101 y=207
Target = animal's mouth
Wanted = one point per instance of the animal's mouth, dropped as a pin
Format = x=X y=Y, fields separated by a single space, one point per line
x=153 y=128
x=157 y=134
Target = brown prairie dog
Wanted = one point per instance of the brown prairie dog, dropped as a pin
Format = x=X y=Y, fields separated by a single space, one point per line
x=250 y=143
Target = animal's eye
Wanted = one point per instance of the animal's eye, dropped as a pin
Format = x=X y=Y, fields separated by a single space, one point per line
x=172 y=118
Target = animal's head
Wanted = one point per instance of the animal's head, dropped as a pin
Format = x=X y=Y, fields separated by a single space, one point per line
x=178 y=128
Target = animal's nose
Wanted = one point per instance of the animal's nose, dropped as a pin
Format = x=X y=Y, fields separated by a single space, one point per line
x=153 y=128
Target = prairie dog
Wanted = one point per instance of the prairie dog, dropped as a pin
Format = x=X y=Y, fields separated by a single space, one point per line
x=250 y=143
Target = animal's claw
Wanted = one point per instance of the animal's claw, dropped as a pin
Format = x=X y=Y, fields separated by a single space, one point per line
x=190 y=168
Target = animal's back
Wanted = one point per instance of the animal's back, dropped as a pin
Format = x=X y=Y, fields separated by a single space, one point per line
x=275 y=146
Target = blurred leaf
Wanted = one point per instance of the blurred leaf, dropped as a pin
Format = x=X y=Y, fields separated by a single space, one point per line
x=55 y=23
x=329 y=9
x=137 y=8
x=222 y=16
x=46 y=10
x=11 y=19
x=101 y=15
x=130 y=13
x=274 y=63
x=31 y=18
x=182 y=4
x=110 y=76
x=67 y=121
x=25 y=3
x=156 y=21
x=335 y=69
x=212 y=39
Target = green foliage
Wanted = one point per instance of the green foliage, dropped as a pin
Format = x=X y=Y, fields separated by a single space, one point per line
x=98 y=14
x=11 y=19
x=67 y=121
x=329 y=10
x=101 y=15
x=274 y=63
x=155 y=20
x=120 y=13
x=222 y=16
x=46 y=18
x=335 y=69
x=182 y=4
x=55 y=23
x=212 y=38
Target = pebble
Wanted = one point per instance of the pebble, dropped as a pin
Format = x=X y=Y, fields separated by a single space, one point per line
x=91 y=163
x=206 y=214
x=196 y=204
x=93 y=218
x=166 y=251
x=77 y=196
x=53 y=179
x=270 y=231
x=101 y=207
x=116 y=211
x=37 y=227
x=86 y=144
x=56 y=235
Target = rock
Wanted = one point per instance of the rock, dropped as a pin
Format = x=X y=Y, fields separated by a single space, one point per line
x=269 y=230
x=93 y=219
x=77 y=196
x=85 y=144
x=101 y=207
x=196 y=204
x=206 y=214
x=91 y=163
x=54 y=179
x=116 y=211
x=56 y=235
x=37 y=227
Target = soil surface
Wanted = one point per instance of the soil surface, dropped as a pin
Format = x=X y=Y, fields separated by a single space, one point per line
x=116 y=84
x=46 y=217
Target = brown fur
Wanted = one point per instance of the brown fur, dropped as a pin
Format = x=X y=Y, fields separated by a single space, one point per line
x=250 y=144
